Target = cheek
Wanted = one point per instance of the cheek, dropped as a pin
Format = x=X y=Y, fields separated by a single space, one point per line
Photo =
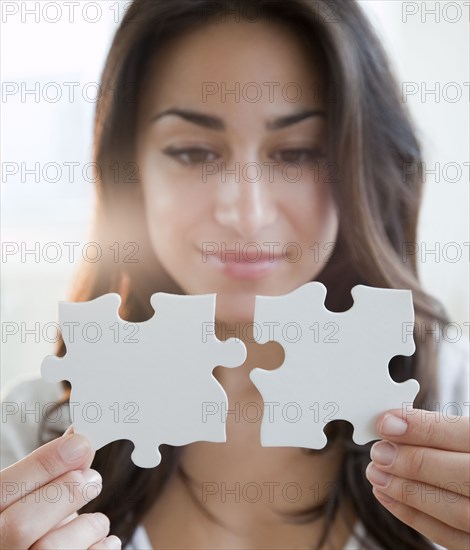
x=173 y=208
x=312 y=209
x=325 y=212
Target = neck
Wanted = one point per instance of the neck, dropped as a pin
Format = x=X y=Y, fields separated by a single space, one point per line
x=239 y=492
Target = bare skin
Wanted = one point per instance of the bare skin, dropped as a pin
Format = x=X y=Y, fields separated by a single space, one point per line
x=183 y=212
x=245 y=486
x=424 y=454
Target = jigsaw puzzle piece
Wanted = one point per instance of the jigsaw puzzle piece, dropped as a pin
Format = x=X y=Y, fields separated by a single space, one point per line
x=146 y=382
x=338 y=370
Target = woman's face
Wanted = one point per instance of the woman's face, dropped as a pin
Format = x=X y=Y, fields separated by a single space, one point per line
x=231 y=151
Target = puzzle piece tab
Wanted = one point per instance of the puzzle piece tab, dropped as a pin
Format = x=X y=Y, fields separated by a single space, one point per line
x=336 y=364
x=146 y=382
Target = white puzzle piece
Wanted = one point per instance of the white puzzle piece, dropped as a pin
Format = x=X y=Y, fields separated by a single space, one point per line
x=336 y=364
x=146 y=382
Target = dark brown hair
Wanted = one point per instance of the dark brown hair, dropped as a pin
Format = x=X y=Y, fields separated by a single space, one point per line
x=370 y=140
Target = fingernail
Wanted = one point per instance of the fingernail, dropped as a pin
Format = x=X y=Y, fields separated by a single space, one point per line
x=74 y=447
x=69 y=430
x=92 y=476
x=92 y=484
x=113 y=543
x=382 y=496
x=104 y=521
x=383 y=453
x=392 y=425
x=377 y=477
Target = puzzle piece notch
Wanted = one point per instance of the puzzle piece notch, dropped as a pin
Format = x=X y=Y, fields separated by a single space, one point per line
x=105 y=374
x=315 y=382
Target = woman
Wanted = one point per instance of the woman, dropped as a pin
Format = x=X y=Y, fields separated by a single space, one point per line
x=228 y=123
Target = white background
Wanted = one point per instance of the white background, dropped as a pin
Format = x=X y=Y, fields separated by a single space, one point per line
x=427 y=49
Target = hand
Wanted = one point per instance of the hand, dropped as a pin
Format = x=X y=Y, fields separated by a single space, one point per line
x=421 y=473
x=41 y=494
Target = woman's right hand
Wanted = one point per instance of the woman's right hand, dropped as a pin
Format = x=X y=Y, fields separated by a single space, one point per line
x=41 y=495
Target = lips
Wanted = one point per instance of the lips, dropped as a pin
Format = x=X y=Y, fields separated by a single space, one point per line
x=244 y=265
x=245 y=258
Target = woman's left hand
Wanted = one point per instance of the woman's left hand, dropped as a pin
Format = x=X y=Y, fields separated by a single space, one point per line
x=421 y=473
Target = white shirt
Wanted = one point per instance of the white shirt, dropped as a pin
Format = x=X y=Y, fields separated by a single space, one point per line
x=140 y=540
x=25 y=402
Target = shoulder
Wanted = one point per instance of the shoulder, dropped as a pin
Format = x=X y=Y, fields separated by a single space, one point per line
x=359 y=537
x=454 y=377
x=31 y=388
x=25 y=405
x=139 y=540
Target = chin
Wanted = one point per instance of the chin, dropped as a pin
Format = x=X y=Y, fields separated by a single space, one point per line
x=234 y=308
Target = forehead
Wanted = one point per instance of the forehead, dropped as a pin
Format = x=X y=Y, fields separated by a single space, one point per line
x=231 y=65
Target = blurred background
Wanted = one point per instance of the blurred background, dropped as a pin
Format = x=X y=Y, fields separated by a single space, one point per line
x=50 y=63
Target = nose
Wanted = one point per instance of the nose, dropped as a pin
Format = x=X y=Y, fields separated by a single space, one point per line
x=246 y=202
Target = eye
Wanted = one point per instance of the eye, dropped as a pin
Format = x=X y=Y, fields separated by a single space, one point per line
x=191 y=155
x=298 y=155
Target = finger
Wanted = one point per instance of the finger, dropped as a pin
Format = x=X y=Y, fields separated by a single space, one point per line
x=426 y=429
x=109 y=543
x=46 y=507
x=68 y=452
x=433 y=529
x=446 y=469
x=66 y=520
x=78 y=534
x=445 y=506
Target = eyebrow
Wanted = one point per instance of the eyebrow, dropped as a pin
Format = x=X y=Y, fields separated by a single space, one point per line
x=216 y=123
